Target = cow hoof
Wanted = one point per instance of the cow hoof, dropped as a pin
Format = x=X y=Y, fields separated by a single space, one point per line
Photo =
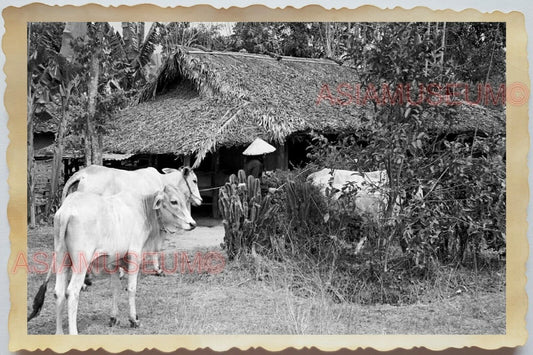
x=113 y=321
x=159 y=273
x=84 y=287
x=135 y=323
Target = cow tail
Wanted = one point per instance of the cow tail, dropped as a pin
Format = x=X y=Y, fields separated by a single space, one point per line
x=39 y=298
x=59 y=240
x=72 y=184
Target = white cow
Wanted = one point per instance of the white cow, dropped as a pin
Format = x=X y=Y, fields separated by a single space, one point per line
x=370 y=189
x=106 y=181
x=92 y=229
x=109 y=181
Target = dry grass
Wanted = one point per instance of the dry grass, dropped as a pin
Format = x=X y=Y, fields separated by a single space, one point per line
x=258 y=296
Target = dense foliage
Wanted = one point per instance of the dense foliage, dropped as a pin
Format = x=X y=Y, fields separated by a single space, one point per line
x=461 y=176
x=444 y=52
x=451 y=182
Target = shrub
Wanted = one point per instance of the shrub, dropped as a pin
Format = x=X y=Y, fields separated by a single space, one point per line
x=460 y=206
x=302 y=226
x=327 y=238
x=243 y=210
x=454 y=189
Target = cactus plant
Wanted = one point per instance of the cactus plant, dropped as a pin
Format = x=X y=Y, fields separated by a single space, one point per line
x=243 y=210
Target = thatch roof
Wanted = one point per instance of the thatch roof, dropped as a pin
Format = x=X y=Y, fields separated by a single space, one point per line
x=45 y=121
x=235 y=98
x=202 y=100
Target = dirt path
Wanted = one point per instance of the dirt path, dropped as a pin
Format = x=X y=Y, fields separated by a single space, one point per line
x=208 y=234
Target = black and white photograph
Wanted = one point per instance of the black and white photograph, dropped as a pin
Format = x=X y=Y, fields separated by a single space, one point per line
x=299 y=178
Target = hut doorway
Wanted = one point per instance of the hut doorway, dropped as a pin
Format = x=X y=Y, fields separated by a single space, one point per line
x=298 y=146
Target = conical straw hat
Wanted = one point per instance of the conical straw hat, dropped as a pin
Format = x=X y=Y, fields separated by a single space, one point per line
x=258 y=147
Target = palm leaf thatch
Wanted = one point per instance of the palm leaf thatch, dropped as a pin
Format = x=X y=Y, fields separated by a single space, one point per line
x=202 y=100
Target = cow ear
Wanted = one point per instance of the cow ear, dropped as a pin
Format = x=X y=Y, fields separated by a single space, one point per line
x=158 y=200
x=169 y=170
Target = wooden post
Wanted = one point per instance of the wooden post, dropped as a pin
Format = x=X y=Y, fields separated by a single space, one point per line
x=187 y=160
x=214 y=199
x=66 y=169
x=283 y=157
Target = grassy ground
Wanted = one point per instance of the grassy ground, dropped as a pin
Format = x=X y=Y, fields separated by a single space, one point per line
x=237 y=301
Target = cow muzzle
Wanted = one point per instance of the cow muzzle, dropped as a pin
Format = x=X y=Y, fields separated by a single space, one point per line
x=187 y=225
x=196 y=200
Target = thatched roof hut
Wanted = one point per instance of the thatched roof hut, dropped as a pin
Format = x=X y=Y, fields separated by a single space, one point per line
x=208 y=99
x=204 y=100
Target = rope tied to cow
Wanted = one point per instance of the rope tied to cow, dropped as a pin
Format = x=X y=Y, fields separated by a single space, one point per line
x=273 y=189
x=211 y=188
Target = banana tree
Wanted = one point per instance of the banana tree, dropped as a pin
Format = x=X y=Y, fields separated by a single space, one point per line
x=44 y=43
x=57 y=86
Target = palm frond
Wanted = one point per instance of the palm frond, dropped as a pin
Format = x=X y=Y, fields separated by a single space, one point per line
x=211 y=141
x=147 y=48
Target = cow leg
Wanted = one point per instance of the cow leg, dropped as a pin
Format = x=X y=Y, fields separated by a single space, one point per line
x=61 y=285
x=115 y=284
x=133 y=271
x=73 y=294
x=87 y=282
x=79 y=269
x=157 y=265
x=156 y=261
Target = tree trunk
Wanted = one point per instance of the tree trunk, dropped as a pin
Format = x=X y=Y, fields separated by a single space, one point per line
x=31 y=182
x=93 y=151
x=329 y=52
x=88 y=139
x=58 y=156
x=491 y=57
x=443 y=46
x=427 y=61
x=98 y=158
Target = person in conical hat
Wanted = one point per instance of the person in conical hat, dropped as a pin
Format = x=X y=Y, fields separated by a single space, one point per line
x=255 y=154
x=254 y=165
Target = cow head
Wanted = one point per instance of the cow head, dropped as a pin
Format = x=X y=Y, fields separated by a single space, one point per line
x=187 y=183
x=172 y=210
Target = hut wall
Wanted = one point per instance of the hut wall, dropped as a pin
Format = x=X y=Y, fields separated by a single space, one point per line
x=297 y=145
x=42 y=172
x=206 y=175
x=41 y=140
x=231 y=160
x=277 y=159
